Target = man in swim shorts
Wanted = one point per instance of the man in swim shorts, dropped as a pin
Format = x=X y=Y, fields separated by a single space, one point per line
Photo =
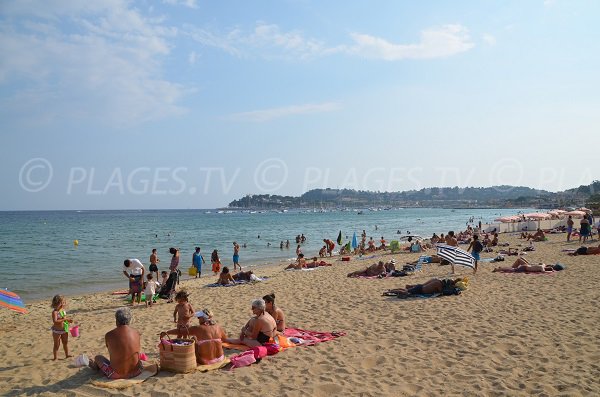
x=236 y=256
x=134 y=271
x=124 y=348
x=154 y=263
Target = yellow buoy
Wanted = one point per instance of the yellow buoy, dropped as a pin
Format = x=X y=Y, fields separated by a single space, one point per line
x=76 y=242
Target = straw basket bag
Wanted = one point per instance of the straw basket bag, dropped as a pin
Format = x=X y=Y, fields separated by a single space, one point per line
x=176 y=357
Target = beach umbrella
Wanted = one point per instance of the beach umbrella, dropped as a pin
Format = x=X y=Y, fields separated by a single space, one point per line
x=455 y=255
x=575 y=213
x=586 y=210
x=354 y=241
x=339 y=239
x=12 y=301
x=537 y=215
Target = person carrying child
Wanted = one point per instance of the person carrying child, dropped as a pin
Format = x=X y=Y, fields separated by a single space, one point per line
x=183 y=313
x=60 y=325
x=150 y=289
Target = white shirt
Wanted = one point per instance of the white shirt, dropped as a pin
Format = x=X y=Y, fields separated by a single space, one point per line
x=150 y=287
x=135 y=267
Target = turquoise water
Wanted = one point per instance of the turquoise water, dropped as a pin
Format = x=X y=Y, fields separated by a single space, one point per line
x=39 y=259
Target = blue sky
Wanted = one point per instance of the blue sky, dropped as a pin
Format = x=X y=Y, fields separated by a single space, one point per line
x=190 y=104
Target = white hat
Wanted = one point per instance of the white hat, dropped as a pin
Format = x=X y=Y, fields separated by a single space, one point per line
x=393 y=261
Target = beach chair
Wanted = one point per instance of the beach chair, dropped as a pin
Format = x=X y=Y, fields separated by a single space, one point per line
x=394 y=246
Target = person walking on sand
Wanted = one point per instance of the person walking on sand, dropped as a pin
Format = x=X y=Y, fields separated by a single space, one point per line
x=475 y=247
x=134 y=271
x=236 y=256
x=197 y=261
x=154 y=262
x=570 y=224
x=216 y=262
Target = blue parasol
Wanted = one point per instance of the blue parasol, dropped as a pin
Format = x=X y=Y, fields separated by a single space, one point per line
x=12 y=301
x=354 y=241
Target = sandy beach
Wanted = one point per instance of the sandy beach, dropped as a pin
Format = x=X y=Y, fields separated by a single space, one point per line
x=508 y=334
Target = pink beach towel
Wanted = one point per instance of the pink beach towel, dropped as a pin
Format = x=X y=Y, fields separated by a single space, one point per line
x=312 y=337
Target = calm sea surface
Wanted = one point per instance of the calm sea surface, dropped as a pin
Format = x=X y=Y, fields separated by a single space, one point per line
x=39 y=259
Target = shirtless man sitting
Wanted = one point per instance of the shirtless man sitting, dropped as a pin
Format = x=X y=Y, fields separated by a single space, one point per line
x=538 y=236
x=124 y=348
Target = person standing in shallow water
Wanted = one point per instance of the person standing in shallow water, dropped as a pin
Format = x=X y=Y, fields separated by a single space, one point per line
x=197 y=261
x=236 y=256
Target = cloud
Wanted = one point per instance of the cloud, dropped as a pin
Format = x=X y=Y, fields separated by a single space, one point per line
x=269 y=41
x=185 y=3
x=90 y=61
x=192 y=58
x=265 y=40
x=259 y=116
x=489 y=39
x=435 y=43
x=549 y=3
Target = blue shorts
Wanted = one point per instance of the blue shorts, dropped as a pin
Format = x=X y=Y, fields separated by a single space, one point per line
x=236 y=259
x=475 y=255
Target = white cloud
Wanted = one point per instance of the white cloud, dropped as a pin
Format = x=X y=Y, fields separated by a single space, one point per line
x=106 y=65
x=259 y=116
x=489 y=39
x=435 y=43
x=549 y=3
x=192 y=58
x=265 y=40
x=186 y=3
x=270 y=41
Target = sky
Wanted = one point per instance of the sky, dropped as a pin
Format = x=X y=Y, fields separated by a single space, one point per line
x=192 y=104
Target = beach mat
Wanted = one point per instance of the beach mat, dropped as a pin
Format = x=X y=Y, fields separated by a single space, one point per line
x=415 y=296
x=212 y=367
x=311 y=337
x=213 y=285
x=233 y=346
x=148 y=372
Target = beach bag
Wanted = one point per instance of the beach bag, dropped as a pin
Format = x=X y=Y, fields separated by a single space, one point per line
x=243 y=359
x=177 y=355
x=271 y=348
x=192 y=271
x=259 y=352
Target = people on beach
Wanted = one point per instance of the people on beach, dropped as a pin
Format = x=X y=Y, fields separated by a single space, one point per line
x=586 y=251
x=164 y=277
x=167 y=288
x=209 y=337
x=287 y=243
x=382 y=243
x=537 y=236
x=316 y=263
x=197 y=261
x=300 y=263
x=275 y=311
x=183 y=312
x=259 y=330
x=475 y=247
x=570 y=224
x=154 y=261
x=330 y=246
x=215 y=262
x=433 y=286
x=225 y=277
x=323 y=251
x=585 y=229
x=124 y=349
x=134 y=271
x=150 y=289
x=375 y=270
x=174 y=266
x=236 y=256
x=243 y=276
x=60 y=325
x=298 y=251
x=522 y=265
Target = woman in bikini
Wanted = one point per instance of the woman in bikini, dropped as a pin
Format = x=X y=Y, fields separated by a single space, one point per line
x=275 y=312
x=259 y=330
x=209 y=337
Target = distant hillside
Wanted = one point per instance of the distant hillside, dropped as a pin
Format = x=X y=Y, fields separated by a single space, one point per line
x=449 y=197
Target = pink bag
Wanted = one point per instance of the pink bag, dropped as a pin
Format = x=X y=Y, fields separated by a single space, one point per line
x=243 y=359
x=259 y=352
x=271 y=348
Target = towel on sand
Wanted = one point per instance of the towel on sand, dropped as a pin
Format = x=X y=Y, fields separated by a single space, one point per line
x=149 y=371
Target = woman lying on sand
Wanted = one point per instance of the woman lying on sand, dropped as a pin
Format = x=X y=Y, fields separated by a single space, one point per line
x=300 y=263
x=522 y=265
x=209 y=336
x=316 y=263
x=433 y=286
x=375 y=269
x=586 y=251
x=259 y=330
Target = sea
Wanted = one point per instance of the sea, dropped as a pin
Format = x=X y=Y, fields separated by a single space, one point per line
x=39 y=257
